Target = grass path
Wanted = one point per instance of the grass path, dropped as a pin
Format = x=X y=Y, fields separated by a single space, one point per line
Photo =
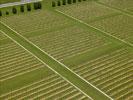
x=85 y=87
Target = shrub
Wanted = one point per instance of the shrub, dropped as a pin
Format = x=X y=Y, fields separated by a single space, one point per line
x=69 y=1
x=28 y=7
x=35 y=6
x=0 y=13
x=22 y=8
x=53 y=4
x=39 y=5
x=74 y=1
x=64 y=2
x=7 y=13
x=58 y=3
x=14 y=10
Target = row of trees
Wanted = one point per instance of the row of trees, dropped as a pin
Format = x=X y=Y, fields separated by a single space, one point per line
x=23 y=8
x=64 y=2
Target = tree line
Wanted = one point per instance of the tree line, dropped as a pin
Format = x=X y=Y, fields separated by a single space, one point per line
x=23 y=8
x=64 y=2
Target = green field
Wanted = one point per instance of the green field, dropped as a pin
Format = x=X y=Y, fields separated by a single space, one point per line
x=78 y=51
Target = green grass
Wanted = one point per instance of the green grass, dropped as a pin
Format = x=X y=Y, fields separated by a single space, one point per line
x=22 y=80
x=118 y=4
x=112 y=26
x=95 y=56
x=30 y=22
x=17 y=86
x=108 y=21
x=41 y=31
x=17 y=59
x=87 y=11
x=56 y=66
x=89 y=55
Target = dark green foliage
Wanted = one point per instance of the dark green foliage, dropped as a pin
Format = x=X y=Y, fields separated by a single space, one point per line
x=64 y=2
x=35 y=6
x=53 y=4
x=58 y=3
x=28 y=7
x=14 y=10
x=7 y=13
x=22 y=8
x=74 y=1
x=0 y=13
x=39 y=5
x=69 y=1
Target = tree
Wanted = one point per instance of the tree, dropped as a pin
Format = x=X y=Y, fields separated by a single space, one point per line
x=7 y=13
x=28 y=7
x=35 y=6
x=74 y=1
x=64 y=2
x=0 y=13
x=14 y=10
x=69 y=1
x=39 y=5
x=53 y=4
x=22 y=8
x=58 y=3
x=79 y=0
